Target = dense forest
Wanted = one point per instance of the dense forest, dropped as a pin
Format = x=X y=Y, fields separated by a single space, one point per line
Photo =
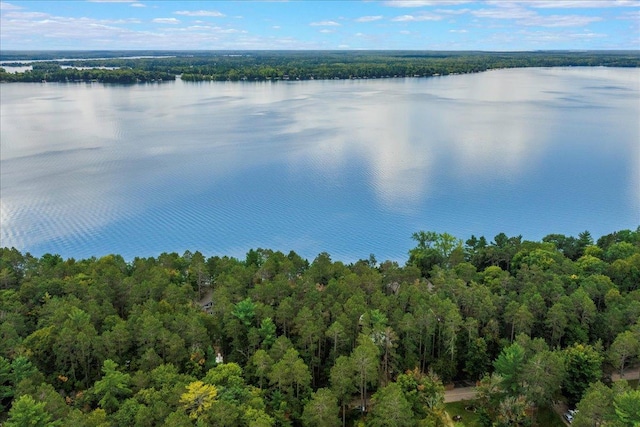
x=152 y=66
x=276 y=340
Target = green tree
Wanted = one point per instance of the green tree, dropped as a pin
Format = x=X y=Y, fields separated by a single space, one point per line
x=342 y=382
x=391 y=408
x=433 y=249
x=425 y=394
x=6 y=384
x=477 y=360
x=489 y=394
x=627 y=407
x=557 y=321
x=542 y=377
x=624 y=348
x=117 y=341
x=262 y=362
x=267 y=332
x=335 y=333
x=44 y=392
x=322 y=410
x=596 y=406
x=584 y=366
x=510 y=365
x=290 y=372
x=75 y=345
x=113 y=386
x=26 y=412
x=512 y=412
x=285 y=313
x=245 y=311
x=364 y=359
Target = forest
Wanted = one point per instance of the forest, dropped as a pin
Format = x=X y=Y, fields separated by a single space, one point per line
x=157 y=66
x=276 y=340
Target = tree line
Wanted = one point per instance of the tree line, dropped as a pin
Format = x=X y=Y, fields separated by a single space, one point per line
x=53 y=72
x=292 y=65
x=276 y=340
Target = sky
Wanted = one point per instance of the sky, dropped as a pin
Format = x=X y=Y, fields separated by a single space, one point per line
x=493 y=25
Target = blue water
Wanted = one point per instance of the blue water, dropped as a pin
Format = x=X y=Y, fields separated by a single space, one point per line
x=347 y=167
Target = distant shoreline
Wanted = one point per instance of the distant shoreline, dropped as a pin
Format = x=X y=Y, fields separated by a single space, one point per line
x=285 y=65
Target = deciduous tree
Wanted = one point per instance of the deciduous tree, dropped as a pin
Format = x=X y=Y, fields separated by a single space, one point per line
x=198 y=398
x=584 y=366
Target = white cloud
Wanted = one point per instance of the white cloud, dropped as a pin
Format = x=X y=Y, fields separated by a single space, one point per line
x=209 y=29
x=112 y=1
x=422 y=3
x=166 y=21
x=513 y=10
x=559 y=21
x=22 y=30
x=138 y=5
x=453 y=11
x=227 y=30
x=582 y=3
x=504 y=13
x=213 y=13
x=26 y=15
x=8 y=6
x=40 y=18
x=324 y=24
x=121 y=21
x=276 y=27
x=458 y=31
x=327 y=31
x=417 y=18
x=19 y=26
x=635 y=15
x=543 y=37
x=369 y=18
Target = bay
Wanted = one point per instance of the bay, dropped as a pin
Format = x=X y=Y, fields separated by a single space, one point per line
x=348 y=167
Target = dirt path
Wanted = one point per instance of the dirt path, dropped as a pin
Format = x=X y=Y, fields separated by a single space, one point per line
x=458 y=394
x=629 y=374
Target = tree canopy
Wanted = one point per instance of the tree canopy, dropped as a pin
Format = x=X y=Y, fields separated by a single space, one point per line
x=277 y=340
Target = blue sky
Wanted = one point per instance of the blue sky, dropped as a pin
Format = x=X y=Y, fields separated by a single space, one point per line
x=393 y=24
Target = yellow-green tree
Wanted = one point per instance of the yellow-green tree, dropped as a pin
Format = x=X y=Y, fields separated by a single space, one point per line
x=198 y=398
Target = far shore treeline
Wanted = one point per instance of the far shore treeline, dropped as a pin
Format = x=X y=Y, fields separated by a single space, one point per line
x=277 y=340
x=158 y=66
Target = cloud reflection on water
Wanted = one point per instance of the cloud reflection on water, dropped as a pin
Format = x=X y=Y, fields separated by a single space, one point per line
x=78 y=159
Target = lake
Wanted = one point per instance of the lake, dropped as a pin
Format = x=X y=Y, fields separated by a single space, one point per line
x=348 y=167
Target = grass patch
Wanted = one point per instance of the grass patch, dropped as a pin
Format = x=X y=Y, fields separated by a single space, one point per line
x=547 y=417
x=469 y=419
